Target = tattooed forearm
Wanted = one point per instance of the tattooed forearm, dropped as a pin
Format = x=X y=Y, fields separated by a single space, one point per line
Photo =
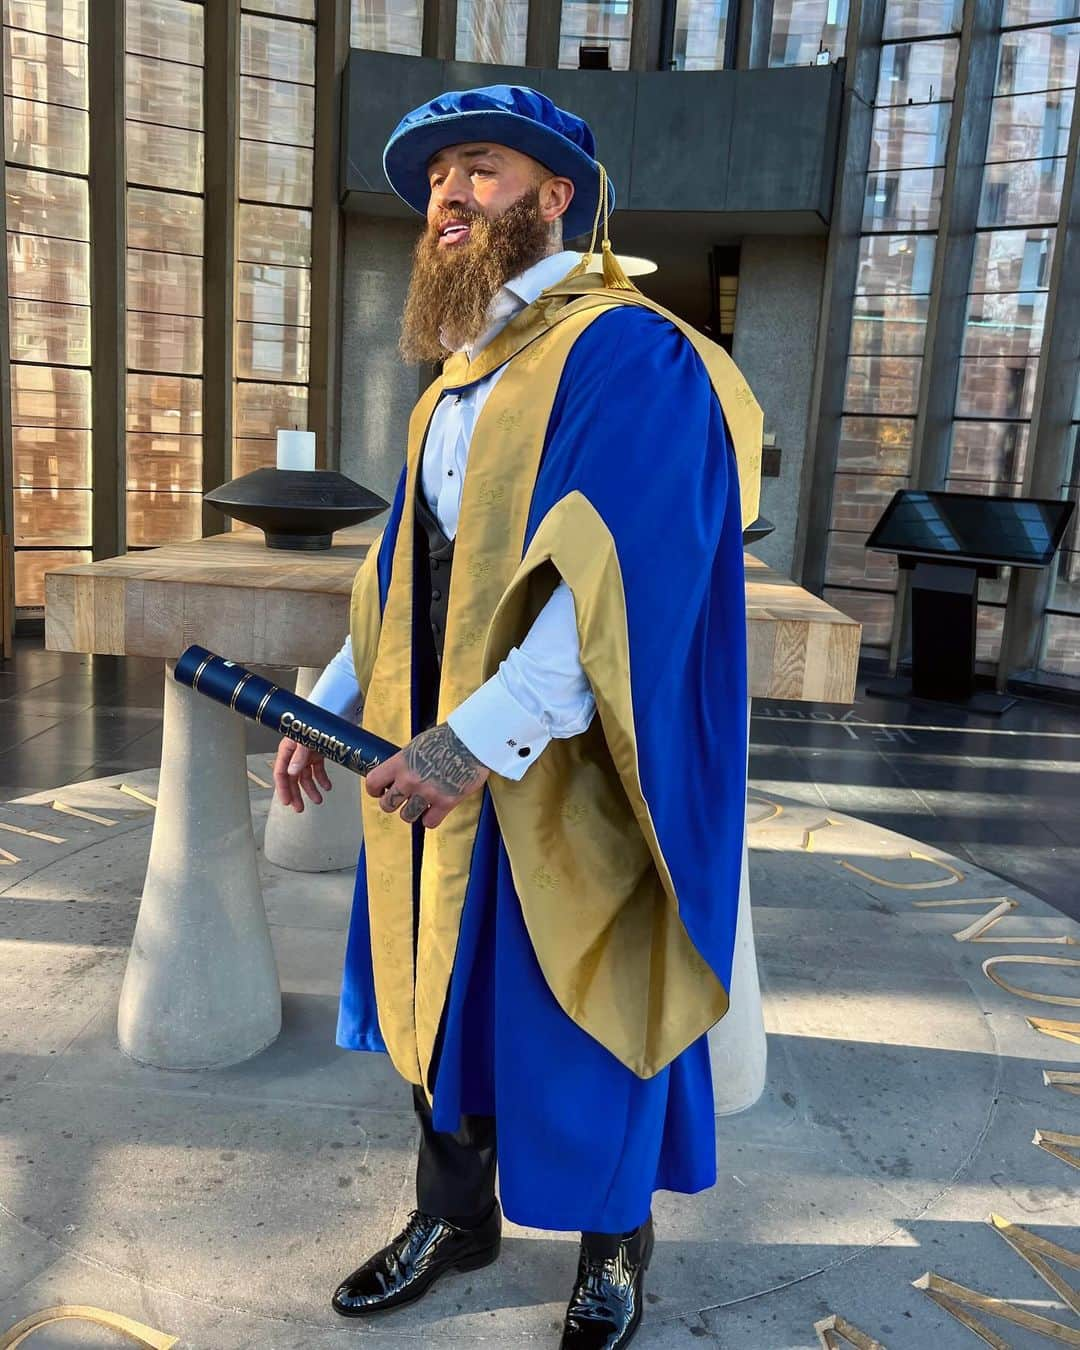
x=440 y=757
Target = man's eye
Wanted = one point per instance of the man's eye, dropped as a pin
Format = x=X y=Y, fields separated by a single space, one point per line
x=487 y=172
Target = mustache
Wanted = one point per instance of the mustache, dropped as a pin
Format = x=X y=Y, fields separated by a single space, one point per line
x=464 y=216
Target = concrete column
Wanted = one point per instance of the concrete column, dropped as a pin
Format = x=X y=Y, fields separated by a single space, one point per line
x=1050 y=446
x=221 y=98
x=327 y=233
x=753 y=37
x=108 y=276
x=542 y=35
x=648 y=38
x=779 y=302
x=201 y=987
x=439 y=37
x=861 y=66
x=322 y=838
x=737 y=1045
x=7 y=466
x=964 y=158
x=965 y=155
x=378 y=390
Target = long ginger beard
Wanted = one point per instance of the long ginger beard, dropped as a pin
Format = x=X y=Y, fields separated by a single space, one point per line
x=452 y=288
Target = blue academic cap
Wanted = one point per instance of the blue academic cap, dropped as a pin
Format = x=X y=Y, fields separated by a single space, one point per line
x=506 y=114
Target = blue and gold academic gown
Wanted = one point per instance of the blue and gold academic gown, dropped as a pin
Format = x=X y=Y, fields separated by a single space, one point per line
x=555 y=952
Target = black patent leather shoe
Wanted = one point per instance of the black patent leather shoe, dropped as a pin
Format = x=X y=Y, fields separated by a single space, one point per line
x=605 y=1307
x=406 y=1269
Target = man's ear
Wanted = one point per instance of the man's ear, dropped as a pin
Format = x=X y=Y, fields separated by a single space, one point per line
x=556 y=194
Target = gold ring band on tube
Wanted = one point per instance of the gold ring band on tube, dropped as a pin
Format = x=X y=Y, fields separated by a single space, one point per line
x=236 y=691
x=265 y=700
x=202 y=666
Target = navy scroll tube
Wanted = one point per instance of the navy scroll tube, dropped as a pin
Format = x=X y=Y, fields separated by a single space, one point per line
x=281 y=710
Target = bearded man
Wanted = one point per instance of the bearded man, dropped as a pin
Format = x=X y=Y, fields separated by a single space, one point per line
x=546 y=897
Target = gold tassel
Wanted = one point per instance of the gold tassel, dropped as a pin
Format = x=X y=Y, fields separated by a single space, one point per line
x=615 y=279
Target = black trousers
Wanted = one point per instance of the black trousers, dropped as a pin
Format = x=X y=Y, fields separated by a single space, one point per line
x=455 y=1174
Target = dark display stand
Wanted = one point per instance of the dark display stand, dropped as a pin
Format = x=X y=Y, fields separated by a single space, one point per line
x=949 y=540
x=944 y=614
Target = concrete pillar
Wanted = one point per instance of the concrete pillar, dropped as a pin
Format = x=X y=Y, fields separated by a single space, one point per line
x=753 y=37
x=201 y=986
x=1051 y=442
x=965 y=155
x=327 y=233
x=737 y=1045
x=779 y=300
x=439 y=35
x=649 y=41
x=861 y=67
x=322 y=838
x=105 y=59
x=378 y=390
x=542 y=35
x=221 y=109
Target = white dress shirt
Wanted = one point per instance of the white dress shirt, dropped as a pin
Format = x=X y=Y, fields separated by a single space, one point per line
x=540 y=690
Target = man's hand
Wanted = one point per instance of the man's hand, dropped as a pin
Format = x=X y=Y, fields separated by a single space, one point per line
x=428 y=778
x=298 y=767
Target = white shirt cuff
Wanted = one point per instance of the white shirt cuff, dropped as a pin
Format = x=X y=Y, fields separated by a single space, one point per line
x=498 y=730
x=336 y=690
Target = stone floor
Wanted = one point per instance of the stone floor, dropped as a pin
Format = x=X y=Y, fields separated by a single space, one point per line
x=905 y=1088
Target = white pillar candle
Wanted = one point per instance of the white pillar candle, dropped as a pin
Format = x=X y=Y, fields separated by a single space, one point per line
x=296 y=449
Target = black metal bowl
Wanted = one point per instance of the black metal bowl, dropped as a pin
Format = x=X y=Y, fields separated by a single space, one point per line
x=757 y=529
x=297 y=508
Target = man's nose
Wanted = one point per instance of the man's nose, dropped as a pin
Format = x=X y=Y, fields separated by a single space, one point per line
x=454 y=190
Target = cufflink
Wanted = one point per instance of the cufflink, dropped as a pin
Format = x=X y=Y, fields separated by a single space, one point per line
x=524 y=751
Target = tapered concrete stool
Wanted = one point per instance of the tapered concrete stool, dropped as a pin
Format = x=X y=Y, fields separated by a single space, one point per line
x=737 y=1045
x=324 y=838
x=201 y=986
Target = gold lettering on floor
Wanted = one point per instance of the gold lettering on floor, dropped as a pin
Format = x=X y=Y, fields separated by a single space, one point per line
x=774 y=810
x=1000 y=905
x=991 y=964
x=126 y=1326
x=1063 y=1146
x=1052 y=1026
x=834 y=1333
x=954 y=874
x=82 y=815
x=1063 y=1080
x=31 y=834
x=808 y=836
x=963 y=1303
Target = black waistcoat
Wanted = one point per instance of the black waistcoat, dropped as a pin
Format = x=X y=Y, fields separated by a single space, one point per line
x=434 y=556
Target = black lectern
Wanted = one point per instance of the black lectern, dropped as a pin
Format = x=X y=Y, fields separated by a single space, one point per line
x=948 y=540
